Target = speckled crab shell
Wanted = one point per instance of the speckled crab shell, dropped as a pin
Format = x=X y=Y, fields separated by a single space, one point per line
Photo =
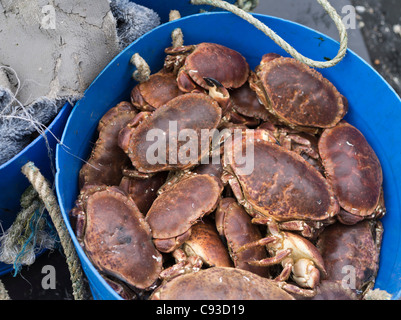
x=352 y=168
x=282 y=184
x=143 y=190
x=160 y=88
x=105 y=163
x=298 y=95
x=356 y=248
x=220 y=284
x=246 y=103
x=206 y=243
x=215 y=61
x=234 y=224
x=181 y=206
x=194 y=111
x=116 y=237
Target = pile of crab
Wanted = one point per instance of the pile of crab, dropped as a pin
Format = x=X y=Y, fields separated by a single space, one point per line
x=304 y=223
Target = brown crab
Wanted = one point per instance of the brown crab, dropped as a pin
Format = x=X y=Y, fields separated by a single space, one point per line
x=206 y=243
x=121 y=289
x=282 y=187
x=107 y=159
x=351 y=254
x=303 y=143
x=213 y=168
x=189 y=113
x=229 y=113
x=298 y=257
x=354 y=171
x=153 y=93
x=296 y=94
x=210 y=60
x=235 y=226
x=183 y=264
x=203 y=248
x=179 y=207
x=246 y=102
x=116 y=237
x=143 y=190
x=220 y=283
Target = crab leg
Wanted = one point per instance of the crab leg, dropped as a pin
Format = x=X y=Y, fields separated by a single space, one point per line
x=306 y=230
x=132 y=173
x=290 y=288
x=279 y=257
x=260 y=242
x=183 y=265
x=286 y=272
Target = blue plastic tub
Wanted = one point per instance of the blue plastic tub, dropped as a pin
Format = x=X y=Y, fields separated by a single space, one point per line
x=375 y=109
x=13 y=183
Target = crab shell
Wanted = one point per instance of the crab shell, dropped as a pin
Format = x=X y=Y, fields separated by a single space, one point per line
x=160 y=88
x=121 y=289
x=192 y=111
x=296 y=94
x=205 y=242
x=107 y=159
x=213 y=168
x=116 y=237
x=305 y=144
x=181 y=206
x=215 y=61
x=220 y=284
x=352 y=168
x=282 y=185
x=234 y=224
x=143 y=191
x=352 y=250
x=246 y=102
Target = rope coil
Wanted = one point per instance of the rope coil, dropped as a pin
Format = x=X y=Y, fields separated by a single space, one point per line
x=46 y=194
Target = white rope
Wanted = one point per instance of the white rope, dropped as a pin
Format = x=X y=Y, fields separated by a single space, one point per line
x=282 y=43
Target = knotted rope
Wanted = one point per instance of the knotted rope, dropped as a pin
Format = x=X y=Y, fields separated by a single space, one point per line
x=27 y=234
x=3 y=292
x=176 y=35
x=45 y=193
x=142 y=72
x=281 y=42
x=377 y=294
x=247 y=5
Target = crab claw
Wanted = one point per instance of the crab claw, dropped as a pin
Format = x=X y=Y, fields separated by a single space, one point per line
x=219 y=93
x=306 y=274
x=212 y=82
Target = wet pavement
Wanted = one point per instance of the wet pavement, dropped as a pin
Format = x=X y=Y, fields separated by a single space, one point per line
x=376 y=38
x=380 y=25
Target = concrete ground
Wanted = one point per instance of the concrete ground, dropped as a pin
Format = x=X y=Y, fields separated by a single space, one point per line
x=380 y=25
x=376 y=38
